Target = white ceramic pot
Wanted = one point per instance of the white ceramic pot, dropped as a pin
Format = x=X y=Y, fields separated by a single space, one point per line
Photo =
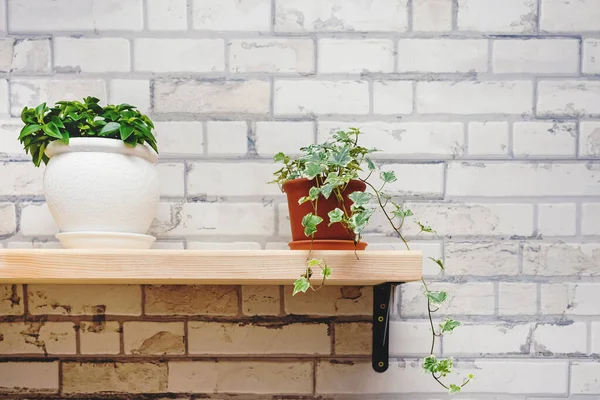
x=101 y=186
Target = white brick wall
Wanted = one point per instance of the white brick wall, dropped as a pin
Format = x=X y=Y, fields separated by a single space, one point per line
x=487 y=110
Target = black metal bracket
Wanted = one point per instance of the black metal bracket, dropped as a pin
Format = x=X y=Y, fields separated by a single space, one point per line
x=382 y=295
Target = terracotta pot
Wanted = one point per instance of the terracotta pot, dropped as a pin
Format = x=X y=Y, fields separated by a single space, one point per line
x=298 y=188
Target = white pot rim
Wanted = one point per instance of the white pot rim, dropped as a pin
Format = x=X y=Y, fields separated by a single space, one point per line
x=101 y=145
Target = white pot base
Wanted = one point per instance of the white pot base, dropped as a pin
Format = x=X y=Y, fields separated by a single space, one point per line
x=104 y=240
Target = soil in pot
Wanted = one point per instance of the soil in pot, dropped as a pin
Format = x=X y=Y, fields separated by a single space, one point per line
x=298 y=188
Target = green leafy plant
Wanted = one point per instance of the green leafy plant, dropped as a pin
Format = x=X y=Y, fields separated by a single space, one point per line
x=331 y=165
x=69 y=119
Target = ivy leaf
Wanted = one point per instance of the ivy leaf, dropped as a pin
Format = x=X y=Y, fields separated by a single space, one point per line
x=401 y=212
x=313 y=193
x=425 y=228
x=28 y=130
x=109 y=128
x=326 y=189
x=360 y=198
x=430 y=364
x=312 y=170
x=52 y=130
x=314 y=263
x=452 y=389
x=370 y=164
x=341 y=158
x=301 y=285
x=326 y=272
x=279 y=157
x=125 y=130
x=335 y=216
x=360 y=220
x=438 y=261
x=449 y=325
x=310 y=222
x=388 y=176
x=437 y=297
x=303 y=200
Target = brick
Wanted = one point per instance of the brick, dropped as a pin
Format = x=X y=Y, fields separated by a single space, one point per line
x=568 y=98
x=510 y=16
x=25 y=55
x=353 y=338
x=37 y=338
x=570 y=299
x=432 y=15
x=557 y=219
x=531 y=139
x=482 y=259
x=255 y=377
x=8 y=219
x=330 y=300
x=179 y=55
x=36 y=220
x=550 y=339
x=488 y=138
x=91 y=55
x=99 y=337
x=487 y=339
x=308 y=97
x=134 y=92
x=442 y=55
x=272 y=55
x=584 y=377
x=506 y=376
x=209 y=338
x=191 y=300
x=3 y=18
x=159 y=338
x=438 y=139
x=84 y=299
x=510 y=97
x=211 y=179
x=271 y=137
x=191 y=96
x=75 y=15
x=339 y=55
x=9 y=147
x=260 y=300
x=544 y=56
x=31 y=92
x=179 y=137
x=561 y=259
x=415 y=180
x=517 y=298
x=472 y=219
x=590 y=220
x=494 y=179
x=411 y=338
x=583 y=15
x=392 y=97
x=591 y=56
x=167 y=15
x=20 y=179
x=11 y=300
x=341 y=16
x=595 y=339
x=463 y=299
x=171 y=177
x=227 y=137
x=589 y=139
x=33 y=377
x=230 y=15
x=122 y=377
x=224 y=246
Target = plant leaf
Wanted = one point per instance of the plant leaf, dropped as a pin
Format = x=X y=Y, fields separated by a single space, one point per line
x=360 y=198
x=370 y=164
x=312 y=170
x=279 y=157
x=39 y=112
x=310 y=222
x=437 y=297
x=448 y=325
x=125 y=130
x=388 y=176
x=52 y=130
x=335 y=216
x=301 y=285
x=109 y=128
x=452 y=389
x=28 y=130
x=438 y=261
x=341 y=158
x=326 y=272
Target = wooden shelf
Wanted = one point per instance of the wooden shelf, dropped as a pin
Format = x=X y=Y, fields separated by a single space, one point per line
x=254 y=267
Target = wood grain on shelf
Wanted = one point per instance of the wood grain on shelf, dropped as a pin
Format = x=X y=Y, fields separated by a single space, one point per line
x=255 y=267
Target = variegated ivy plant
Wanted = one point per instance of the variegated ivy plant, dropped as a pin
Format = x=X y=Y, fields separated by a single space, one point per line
x=331 y=166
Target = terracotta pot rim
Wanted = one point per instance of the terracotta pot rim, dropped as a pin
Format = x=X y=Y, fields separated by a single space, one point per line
x=298 y=181
x=333 y=242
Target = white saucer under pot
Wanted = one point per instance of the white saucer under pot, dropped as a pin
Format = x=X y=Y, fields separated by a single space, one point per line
x=101 y=190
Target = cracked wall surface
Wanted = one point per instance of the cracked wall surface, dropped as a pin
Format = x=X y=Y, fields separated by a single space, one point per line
x=488 y=111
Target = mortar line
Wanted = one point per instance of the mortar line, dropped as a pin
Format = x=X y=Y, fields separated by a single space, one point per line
x=490 y=59
x=273 y=16
x=578 y=138
x=145 y=18
x=122 y=338
x=396 y=45
x=538 y=288
x=496 y=298
x=78 y=339
x=205 y=138
x=578 y=220
x=60 y=377
x=282 y=300
x=539 y=16
x=580 y=59
x=588 y=348
x=511 y=141
x=535 y=97
x=454 y=15
x=26 y=313
x=226 y=59
x=186 y=338
x=536 y=220
x=143 y=299
x=272 y=96
x=410 y=15
x=190 y=15
x=371 y=96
